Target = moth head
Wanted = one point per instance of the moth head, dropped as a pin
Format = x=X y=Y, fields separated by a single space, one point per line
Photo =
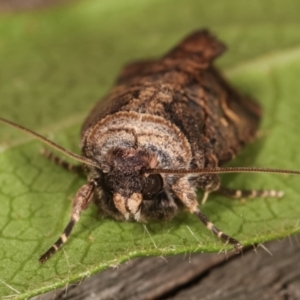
x=124 y=172
x=125 y=178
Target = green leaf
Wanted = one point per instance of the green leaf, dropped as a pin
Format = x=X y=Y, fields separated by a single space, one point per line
x=55 y=64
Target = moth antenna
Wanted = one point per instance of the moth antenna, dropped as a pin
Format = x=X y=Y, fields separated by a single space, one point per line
x=44 y=140
x=219 y=170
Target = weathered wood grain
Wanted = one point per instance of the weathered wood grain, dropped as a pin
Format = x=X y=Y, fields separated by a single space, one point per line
x=257 y=274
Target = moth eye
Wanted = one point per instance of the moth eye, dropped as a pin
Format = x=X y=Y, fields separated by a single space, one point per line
x=154 y=184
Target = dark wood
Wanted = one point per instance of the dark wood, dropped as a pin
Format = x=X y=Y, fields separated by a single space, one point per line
x=257 y=274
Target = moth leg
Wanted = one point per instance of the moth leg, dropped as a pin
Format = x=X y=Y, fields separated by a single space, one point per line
x=249 y=194
x=187 y=195
x=205 y=197
x=221 y=235
x=81 y=201
x=78 y=169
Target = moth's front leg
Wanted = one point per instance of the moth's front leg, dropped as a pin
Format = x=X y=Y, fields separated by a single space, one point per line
x=186 y=193
x=81 y=202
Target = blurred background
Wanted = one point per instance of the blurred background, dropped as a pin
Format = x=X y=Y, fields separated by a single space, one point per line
x=19 y=5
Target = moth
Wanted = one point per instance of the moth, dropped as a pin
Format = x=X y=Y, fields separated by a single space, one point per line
x=161 y=133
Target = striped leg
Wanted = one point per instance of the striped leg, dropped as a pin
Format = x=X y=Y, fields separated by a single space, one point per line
x=224 y=237
x=249 y=194
x=186 y=193
x=62 y=163
x=81 y=201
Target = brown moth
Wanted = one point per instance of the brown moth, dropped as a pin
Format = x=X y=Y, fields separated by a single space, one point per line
x=161 y=134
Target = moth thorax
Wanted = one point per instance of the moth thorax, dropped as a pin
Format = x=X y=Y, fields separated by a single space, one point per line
x=130 y=161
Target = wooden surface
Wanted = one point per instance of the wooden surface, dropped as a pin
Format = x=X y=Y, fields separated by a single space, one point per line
x=268 y=272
